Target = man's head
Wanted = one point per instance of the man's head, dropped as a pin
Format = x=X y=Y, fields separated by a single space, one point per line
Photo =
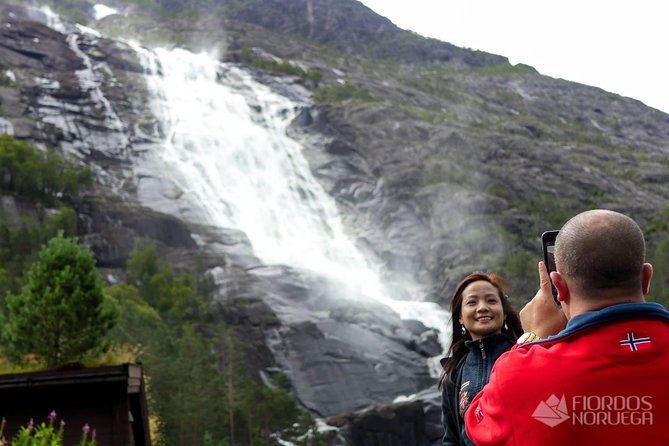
x=600 y=255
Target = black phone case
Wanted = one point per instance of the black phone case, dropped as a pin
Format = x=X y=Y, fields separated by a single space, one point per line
x=548 y=239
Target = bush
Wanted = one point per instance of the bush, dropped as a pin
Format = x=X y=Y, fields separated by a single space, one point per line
x=312 y=76
x=339 y=93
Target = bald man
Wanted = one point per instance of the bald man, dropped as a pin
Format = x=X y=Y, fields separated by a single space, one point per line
x=602 y=378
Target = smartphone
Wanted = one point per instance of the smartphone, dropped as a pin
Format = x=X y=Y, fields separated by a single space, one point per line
x=548 y=242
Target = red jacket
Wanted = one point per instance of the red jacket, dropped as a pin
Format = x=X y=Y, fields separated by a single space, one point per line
x=604 y=380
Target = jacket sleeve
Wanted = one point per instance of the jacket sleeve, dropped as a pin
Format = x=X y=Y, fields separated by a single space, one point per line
x=451 y=434
x=487 y=422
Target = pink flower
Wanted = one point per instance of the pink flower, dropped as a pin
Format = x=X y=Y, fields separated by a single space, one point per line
x=52 y=417
x=86 y=428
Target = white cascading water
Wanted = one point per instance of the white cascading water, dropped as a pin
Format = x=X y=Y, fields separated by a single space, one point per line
x=226 y=148
x=88 y=79
x=90 y=83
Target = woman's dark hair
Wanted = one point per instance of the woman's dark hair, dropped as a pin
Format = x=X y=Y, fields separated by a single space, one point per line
x=512 y=329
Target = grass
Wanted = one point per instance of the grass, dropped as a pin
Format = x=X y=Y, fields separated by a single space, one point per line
x=338 y=93
x=116 y=355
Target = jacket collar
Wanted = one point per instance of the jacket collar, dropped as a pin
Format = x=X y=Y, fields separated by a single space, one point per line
x=613 y=313
x=488 y=341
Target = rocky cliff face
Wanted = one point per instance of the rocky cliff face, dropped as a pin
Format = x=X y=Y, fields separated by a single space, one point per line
x=442 y=161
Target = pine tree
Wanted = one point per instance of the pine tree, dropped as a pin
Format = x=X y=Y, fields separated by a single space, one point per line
x=61 y=313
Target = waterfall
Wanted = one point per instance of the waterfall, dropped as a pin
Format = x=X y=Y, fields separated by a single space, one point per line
x=227 y=152
x=226 y=147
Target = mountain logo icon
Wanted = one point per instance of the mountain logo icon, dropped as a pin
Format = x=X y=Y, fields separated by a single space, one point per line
x=552 y=412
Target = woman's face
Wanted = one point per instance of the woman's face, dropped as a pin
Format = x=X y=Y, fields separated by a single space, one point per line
x=481 y=312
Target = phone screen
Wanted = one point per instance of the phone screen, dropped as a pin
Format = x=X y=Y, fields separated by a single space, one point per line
x=550 y=258
x=548 y=241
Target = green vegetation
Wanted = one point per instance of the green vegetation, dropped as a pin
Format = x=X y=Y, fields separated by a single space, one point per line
x=439 y=80
x=659 y=258
x=657 y=233
x=311 y=77
x=20 y=242
x=42 y=176
x=435 y=117
x=504 y=69
x=660 y=225
x=409 y=47
x=173 y=296
x=338 y=93
x=45 y=434
x=61 y=314
x=518 y=262
x=544 y=205
x=434 y=80
x=198 y=397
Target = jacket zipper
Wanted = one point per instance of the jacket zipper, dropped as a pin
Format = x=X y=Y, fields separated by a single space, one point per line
x=483 y=355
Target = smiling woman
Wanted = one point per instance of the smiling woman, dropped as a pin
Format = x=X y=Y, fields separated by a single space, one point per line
x=485 y=325
x=482 y=313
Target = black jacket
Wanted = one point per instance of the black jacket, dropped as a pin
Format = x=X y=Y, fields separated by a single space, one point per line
x=469 y=377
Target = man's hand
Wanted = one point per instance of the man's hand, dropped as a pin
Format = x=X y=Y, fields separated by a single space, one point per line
x=541 y=316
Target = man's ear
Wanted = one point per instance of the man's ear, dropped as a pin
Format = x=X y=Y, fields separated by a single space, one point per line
x=646 y=275
x=561 y=286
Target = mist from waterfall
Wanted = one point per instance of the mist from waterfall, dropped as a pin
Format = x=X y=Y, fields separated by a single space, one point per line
x=227 y=152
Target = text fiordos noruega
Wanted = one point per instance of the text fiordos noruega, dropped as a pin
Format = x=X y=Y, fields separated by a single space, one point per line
x=612 y=410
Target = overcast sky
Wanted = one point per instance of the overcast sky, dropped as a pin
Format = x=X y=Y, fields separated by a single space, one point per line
x=621 y=46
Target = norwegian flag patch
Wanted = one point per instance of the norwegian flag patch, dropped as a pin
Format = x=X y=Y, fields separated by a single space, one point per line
x=478 y=413
x=635 y=343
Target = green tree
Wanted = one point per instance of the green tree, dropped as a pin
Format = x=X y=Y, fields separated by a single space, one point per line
x=61 y=313
x=143 y=264
x=139 y=322
x=189 y=391
x=20 y=242
x=64 y=220
x=173 y=295
x=18 y=247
